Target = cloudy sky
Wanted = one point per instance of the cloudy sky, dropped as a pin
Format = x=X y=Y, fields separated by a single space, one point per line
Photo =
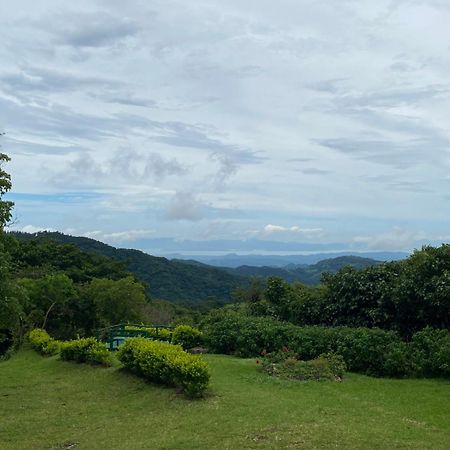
x=251 y=125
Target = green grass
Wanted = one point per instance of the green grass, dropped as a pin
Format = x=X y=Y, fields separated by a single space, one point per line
x=49 y=404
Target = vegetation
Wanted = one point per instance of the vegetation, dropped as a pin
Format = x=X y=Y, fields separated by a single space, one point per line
x=50 y=404
x=365 y=350
x=165 y=363
x=187 y=336
x=161 y=334
x=165 y=279
x=43 y=343
x=287 y=364
x=404 y=296
x=87 y=350
x=306 y=274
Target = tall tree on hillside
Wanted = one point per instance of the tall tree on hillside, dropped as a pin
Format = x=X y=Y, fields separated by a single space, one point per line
x=5 y=186
x=9 y=306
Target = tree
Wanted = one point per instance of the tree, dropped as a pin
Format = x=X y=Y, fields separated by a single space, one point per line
x=9 y=305
x=5 y=186
x=116 y=301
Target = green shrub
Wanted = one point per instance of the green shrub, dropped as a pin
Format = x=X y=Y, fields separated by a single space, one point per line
x=187 y=336
x=160 y=334
x=43 y=343
x=365 y=350
x=233 y=333
x=285 y=365
x=165 y=363
x=86 y=350
x=431 y=352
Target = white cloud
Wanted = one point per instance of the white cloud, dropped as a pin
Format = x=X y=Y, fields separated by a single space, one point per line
x=394 y=239
x=32 y=229
x=119 y=236
x=332 y=114
x=308 y=232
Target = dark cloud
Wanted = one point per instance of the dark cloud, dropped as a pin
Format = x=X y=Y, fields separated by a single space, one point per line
x=124 y=166
x=314 y=171
x=94 y=30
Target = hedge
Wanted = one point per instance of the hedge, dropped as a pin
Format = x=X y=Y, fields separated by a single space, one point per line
x=43 y=343
x=161 y=334
x=370 y=351
x=86 y=350
x=165 y=363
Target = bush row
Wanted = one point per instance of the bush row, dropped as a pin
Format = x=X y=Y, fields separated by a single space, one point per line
x=165 y=363
x=86 y=350
x=43 y=343
x=184 y=335
x=365 y=350
x=161 y=334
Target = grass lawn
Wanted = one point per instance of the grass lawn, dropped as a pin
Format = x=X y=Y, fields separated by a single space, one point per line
x=49 y=404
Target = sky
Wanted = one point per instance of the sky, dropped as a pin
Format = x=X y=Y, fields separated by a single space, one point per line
x=239 y=125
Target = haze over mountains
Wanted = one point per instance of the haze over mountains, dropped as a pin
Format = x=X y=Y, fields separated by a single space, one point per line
x=195 y=281
x=236 y=260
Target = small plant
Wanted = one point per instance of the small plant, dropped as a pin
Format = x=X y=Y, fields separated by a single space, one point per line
x=43 y=343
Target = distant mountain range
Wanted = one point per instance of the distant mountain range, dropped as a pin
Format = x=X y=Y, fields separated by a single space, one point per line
x=234 y=260
x=307 y=274
x=195 y=281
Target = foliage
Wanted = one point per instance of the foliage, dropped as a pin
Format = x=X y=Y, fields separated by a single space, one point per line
x=164 y=279
x=431 y=352
x=403 y=296
x=115 y=301
x=284 y=364
x=85 y=350
x=6 y=206
x=43 y=343
x=165 y=363
x=307 y=274
x=35 y=258
x=187 y=336
x=160 y=334
x=370 y=351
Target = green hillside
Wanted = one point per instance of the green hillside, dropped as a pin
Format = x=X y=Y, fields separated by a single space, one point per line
x=50 y=404
x=166 y=279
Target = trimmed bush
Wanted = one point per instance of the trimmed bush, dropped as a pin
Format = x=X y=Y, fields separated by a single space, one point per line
x=86 y=350
x=187 y=336
x=165 y=363
x=43 y=343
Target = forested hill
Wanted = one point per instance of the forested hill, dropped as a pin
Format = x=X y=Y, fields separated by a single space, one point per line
x=168 y=280
x=306 y=274
x=193 y=281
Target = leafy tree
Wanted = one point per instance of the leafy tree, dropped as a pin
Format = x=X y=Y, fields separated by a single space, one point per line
x=5 y=186
x=9 y=305
x=47 y=303
x=115 y=301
